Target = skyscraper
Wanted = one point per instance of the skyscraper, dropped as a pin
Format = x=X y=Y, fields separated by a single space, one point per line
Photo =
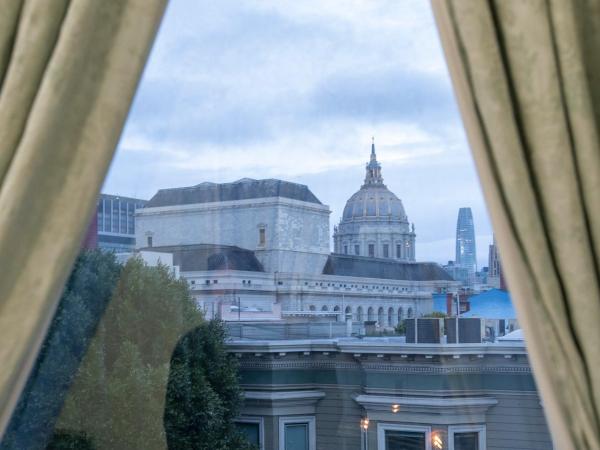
x=465 y=241
x=495 y=275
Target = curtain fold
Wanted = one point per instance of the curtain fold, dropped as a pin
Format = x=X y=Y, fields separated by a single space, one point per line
x=525 y=73
x=68 y=73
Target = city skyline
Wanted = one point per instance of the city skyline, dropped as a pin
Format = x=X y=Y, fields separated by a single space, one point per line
x=224 y=97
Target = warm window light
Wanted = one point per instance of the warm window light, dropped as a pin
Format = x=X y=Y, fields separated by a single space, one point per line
x=395 y=408
x=364 y=423
x=436 y=441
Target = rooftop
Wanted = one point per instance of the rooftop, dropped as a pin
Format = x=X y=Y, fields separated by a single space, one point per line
x=244 y=189
x=366 y=267
x=201 y=257
x=494 y=303
x=375 y=345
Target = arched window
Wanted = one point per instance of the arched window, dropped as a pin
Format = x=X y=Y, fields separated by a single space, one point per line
x=312 y=308
x=390 y=317
x=336 y=308
x=380 y=316
x=359 y=314
x=370 y=313
x=409 y=313
x=400 y=314
x=324 y=308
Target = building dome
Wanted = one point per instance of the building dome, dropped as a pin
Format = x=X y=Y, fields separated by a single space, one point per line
x=374 y=222
x=374 y=203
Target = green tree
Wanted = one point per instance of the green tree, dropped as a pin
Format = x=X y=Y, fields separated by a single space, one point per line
x=119 y=335
x=203 y=393
x=118 y=397
x=435 y=315
x=87 y=292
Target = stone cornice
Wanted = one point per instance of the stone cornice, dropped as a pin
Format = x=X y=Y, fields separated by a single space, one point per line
x=433 y=405
x=279 y=403
x=233 y=204
x=283 y=396
x=381 y=366
x=433 y=410
x=392 y=346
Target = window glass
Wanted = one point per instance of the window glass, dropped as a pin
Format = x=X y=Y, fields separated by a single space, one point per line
x=466 y=441
x=296 y=436
x=251 y=432
x=404 y=440
x=333 y=125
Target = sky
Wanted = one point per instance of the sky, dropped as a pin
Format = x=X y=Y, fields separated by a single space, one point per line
x=295 y=91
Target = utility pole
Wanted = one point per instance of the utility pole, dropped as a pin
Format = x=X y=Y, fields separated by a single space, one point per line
x=457 y=315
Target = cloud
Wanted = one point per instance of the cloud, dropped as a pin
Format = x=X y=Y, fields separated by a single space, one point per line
x=295 y=90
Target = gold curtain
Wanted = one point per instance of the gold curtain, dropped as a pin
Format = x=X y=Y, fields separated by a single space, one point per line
x=68 y=73
x=525 y=73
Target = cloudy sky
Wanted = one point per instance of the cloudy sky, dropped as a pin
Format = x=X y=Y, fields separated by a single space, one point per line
x=295 y=90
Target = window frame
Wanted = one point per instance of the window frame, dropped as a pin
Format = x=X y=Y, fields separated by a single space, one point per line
x=312 y=431
x=385 y=426
x=455 y=429
x=262 y=236
x=261 y=427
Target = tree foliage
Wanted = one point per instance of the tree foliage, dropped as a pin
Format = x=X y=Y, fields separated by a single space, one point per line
x=203 y=394
x=86 y=295
x=436 y=315
x=119 y=335
x=118 y=397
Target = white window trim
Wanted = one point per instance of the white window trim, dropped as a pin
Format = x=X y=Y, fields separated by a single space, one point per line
x=383 y=427
x=261 y=427
x=453 y=429
x=312 y=434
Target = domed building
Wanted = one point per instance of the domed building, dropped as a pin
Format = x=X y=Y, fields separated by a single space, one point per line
x=374 y=223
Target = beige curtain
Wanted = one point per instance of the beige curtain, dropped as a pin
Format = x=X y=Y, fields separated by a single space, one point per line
x=68 y=73
x=526 y=75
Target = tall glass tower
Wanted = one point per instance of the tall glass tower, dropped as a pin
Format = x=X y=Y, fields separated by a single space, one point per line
x=465 y=240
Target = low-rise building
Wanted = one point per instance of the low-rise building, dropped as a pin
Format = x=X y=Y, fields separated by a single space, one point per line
x=384 y=394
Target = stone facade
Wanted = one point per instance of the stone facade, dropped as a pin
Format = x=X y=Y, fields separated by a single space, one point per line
x=288 y=235
x=263 y=296
x=259 y=250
